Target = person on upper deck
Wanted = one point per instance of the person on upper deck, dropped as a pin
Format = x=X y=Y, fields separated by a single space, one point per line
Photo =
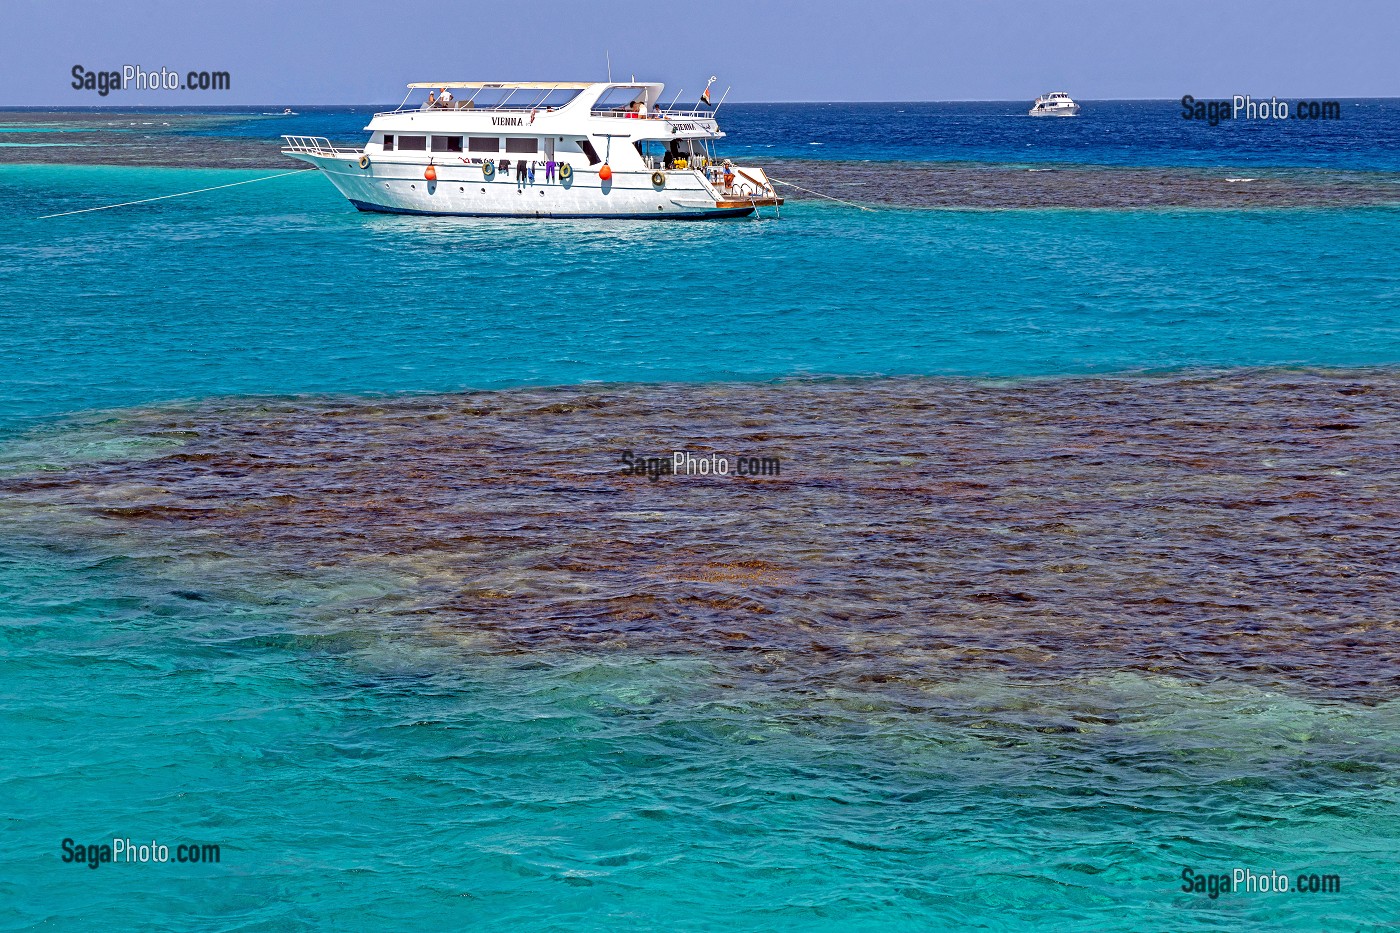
x=445 y=99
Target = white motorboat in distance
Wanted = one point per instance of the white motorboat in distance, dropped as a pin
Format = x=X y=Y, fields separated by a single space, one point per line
x=540 y=150
x=1057 y=104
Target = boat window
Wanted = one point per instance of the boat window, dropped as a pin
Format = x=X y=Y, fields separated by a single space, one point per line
x=674 y=153
x=522 y=144
x=589 y=151
x=483 y=144
x=619 y=98
x=447 y=144
x=413 y=143
x=491 y=97
x=559 y=97
x=498 y=97
x=388 y=142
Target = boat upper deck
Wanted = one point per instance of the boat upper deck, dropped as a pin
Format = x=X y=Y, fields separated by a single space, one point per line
x=523 y=104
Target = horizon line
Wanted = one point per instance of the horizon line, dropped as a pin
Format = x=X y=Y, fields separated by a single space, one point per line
x=949 y=100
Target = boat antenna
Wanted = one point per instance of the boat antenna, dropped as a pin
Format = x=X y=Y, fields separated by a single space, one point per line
x=721 y=100
x=609 y=55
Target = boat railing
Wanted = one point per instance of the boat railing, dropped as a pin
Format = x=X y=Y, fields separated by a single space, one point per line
x=743 y=181
x=654 y=115
x=626 y=115
x=460 y=106
x=315 y=145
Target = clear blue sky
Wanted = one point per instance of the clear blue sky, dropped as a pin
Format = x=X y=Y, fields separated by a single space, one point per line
x=364 y=51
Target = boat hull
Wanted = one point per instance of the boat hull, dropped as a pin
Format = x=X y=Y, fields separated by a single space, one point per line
x=464 y=190
x=717 y=213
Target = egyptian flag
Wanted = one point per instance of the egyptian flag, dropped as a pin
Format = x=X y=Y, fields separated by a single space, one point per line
x=705 y=97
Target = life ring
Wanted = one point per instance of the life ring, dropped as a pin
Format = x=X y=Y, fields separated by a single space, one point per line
x=364 y=161
x=566 y=171
x=488 y=168
x=658 y=179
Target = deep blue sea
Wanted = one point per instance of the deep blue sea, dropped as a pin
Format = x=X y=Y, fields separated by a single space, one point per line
x=1111 y=132
x=359 y=778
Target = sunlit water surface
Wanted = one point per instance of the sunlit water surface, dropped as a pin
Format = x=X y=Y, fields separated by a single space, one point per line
x=282 y=567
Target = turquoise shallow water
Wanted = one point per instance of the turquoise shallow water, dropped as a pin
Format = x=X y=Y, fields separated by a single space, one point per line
x=415 y=779
x=410 y=782
x=280 y=287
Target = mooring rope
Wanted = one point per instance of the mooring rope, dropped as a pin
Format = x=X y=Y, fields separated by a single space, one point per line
x=178 y=194
x=820 y=195
x=235 y=184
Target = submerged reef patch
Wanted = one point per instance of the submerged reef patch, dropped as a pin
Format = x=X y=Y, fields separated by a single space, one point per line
x=1239 y=525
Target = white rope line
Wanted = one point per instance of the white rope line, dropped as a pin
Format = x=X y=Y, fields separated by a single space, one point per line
x=180 y=194
x=820 y=195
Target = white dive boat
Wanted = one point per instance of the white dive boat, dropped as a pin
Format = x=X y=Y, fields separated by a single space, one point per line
x=1058 y=104
x=540 y=150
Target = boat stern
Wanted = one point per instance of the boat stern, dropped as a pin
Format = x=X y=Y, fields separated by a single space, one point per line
x=741 y=186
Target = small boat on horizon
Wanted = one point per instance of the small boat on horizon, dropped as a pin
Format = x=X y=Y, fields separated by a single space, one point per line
x=1055 y=104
